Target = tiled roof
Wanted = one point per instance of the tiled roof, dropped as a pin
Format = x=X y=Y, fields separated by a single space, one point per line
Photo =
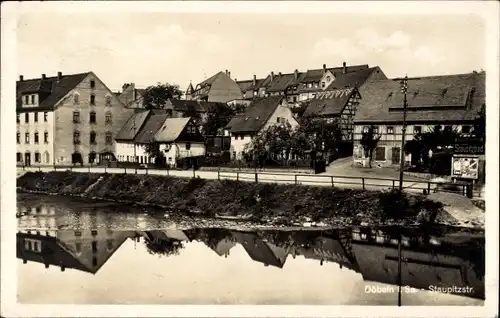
x=132 y=126
x=329 y=103
x=200 y=106
x=352 y=79
x=255 y=115
x=51 y=89
x=148 y=131
x=436 y=98
x=313 y=75
x=281 y=82
x=170 y=129
x=210 y=80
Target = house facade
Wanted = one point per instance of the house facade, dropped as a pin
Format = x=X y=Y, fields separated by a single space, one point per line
x=260 y=115
x=218 y=88
x=177 y=138
x=130 y=96
x=66 y=120
x=297 y=86
x=450 y=102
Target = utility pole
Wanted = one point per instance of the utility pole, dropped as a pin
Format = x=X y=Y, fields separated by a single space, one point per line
x=399 y=270
x=135 y=154
x=404 y=89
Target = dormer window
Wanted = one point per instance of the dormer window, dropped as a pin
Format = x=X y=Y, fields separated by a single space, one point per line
x=33 y=99
x=328 y=78
x=92 y=84
x=26 y=100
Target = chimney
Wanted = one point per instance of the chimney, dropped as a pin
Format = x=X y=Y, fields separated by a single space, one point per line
x=296 y=73
x=59 y=76
x=44 y=76
x=344 y=68
x=226 y=72
x=124 y=86
x=272 y=76
x=254 y=80
x=279 y=73
x=229 y=74
x=324 y=69
x=21 y=78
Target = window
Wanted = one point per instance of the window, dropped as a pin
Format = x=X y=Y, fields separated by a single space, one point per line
x=94 y=247
x=76 y=138
x=76 y=117
x=36 y=117
x=27 y=118
x=108 y=100
x=47 y=157
x=92 y=99
x=465 y=129
x=375 y=129
x=33 y=99
x=92 y=84
x=45 y=114
x=78 y=233
x=109 y=138
x=78 y=247
x=76 y=99
x=188 y=146
x=19 y=157
x=323 y=84
x=93 y=232
x=26 y=100
x=27 y=138
x=390 y=130
x=328 y=78
x=108 y=118
x=365 y=129
x=417 y=129
x=46 y=137
x=18 y=120
x=109 y=244
x=94 y=261
x=18 y=137
x=380 y=153
x=37 y=157
x=92 y=119
x=92 y=156
x=92 y=137
x=36 y=137
x=447 y=128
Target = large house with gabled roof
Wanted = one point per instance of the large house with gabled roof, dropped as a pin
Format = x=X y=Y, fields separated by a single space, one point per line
x=66 y=119
x=260 y=114
x=447 y=101
x=217 y=88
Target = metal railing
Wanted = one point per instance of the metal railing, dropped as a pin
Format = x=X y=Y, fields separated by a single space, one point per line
x=350 y=182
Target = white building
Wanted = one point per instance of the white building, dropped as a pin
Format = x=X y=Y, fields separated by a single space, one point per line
x=260 y=115
x=177 y=138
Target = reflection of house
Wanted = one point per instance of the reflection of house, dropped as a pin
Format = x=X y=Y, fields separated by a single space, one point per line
x=177 y=137
x=165 y=235
x=449 y=101
x=84 y=250
x=329 y=250
x=261 y=114
x=421 y=267
x=261 y=251
x=218 y=88
x=220 y=241
x=66 y=119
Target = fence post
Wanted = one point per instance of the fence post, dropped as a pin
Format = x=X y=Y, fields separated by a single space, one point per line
x=295 y=179
x=218 y=174
x=256 y=178
x=237 y=176
x=105 y=169
x=332 y=181
x=146 y=170
x=428 y=187
x=393 y=184
x=135 y=170
x=363 y=180
x=125 y=169
x=194 y=173
x=39 y=168
x=89 y=169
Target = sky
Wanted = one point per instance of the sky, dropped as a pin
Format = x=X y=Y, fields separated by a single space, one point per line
x=150 y=47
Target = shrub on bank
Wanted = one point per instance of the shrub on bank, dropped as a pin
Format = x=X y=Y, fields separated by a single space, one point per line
x=231 y=197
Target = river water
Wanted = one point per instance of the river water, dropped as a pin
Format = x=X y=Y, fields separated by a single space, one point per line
x=81 y=252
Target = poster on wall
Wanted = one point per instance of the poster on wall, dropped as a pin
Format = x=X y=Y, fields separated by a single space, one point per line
x=465 y=167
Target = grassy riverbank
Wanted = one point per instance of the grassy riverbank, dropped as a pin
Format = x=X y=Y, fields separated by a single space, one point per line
x=279 y=203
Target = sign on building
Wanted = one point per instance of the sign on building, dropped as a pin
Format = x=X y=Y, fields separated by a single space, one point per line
x=465 y=167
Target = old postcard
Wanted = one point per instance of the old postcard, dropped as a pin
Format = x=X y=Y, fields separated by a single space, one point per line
x=321 y=159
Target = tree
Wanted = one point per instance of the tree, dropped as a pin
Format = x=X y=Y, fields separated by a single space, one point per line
x=369 y=141
x=317 y=135
x=153 y=151
x=300 y=109
x=218 y=117
x=163 y=247
x=156 y=97
x=275 y=142
x=479 y=127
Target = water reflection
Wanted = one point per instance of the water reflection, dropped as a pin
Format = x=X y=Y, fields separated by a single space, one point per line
x=323 y=267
